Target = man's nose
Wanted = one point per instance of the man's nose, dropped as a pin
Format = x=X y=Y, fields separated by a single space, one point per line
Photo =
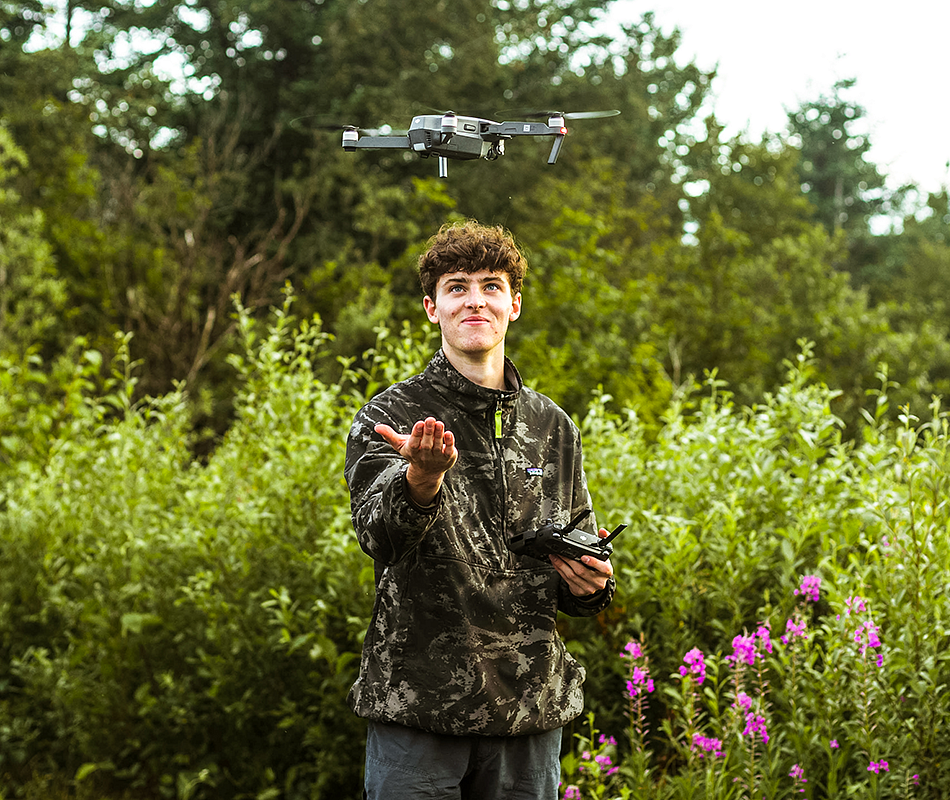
x=476 y=299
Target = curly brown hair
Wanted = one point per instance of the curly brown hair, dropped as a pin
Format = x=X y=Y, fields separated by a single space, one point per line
x=471 y=247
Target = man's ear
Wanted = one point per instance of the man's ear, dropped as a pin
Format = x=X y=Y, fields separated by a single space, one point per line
x=431 y=311
x=515 y=307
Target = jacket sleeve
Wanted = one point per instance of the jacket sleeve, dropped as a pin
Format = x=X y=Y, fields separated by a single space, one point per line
x=388 y=524
x=592 y=604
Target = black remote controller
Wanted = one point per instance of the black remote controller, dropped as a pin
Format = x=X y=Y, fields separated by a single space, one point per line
x=563 y=541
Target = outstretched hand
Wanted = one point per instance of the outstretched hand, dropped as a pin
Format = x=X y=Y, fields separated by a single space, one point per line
x=430 y=450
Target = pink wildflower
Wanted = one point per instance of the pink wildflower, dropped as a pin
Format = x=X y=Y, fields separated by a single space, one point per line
x=809 y=588
x=794 y=629
x=632 y=650
x=743 y=648
x=696 y=664
x=707 y=745
x=755 y=724
x=764 y=635
x=798 y=775
x=854 y=605
x=866 y=637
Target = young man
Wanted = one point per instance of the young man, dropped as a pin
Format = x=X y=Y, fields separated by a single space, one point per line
x=464 y=679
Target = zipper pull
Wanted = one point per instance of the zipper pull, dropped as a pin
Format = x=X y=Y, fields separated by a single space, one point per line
x=498 y=422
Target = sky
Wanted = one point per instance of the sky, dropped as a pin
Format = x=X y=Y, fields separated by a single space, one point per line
x=773 y=57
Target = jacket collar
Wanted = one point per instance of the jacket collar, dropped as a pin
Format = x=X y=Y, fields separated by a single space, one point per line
x=460 y=391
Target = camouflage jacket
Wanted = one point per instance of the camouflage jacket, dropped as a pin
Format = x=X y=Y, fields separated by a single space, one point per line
x=462 y=639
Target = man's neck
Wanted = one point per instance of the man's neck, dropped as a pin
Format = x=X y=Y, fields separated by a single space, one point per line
x=485 y=369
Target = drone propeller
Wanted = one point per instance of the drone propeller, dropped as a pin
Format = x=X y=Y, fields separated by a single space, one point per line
x=383 y=130
x=542 y=113
x=333 y=125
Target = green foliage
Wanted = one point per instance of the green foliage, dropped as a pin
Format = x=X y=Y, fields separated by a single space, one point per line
x=731 y=508
x=845 y=188
x=187 y=624
x=32 y=295
x=188 y=628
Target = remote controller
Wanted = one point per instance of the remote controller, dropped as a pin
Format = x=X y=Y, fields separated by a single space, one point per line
x=564 y=541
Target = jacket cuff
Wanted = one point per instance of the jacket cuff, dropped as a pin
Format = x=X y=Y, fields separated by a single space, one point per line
x=429 y=509
x=598 y=601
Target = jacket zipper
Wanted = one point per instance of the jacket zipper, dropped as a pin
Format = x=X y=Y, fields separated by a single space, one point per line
x=500 y=456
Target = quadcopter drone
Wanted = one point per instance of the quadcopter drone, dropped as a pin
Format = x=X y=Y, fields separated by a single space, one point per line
x=450 y=135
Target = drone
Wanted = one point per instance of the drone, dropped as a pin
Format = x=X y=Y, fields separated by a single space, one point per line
x=450 y=135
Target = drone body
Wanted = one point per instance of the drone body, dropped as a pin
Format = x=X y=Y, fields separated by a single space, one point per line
x=465 y=138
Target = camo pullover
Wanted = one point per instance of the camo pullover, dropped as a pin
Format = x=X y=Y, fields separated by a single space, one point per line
x=462 y=639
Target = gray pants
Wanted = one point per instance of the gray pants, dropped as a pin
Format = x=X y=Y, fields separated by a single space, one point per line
x=407 y=764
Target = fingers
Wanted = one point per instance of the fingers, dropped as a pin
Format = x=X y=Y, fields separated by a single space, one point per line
x=430 y=438
x=584 y=577
x=429 y=444
x=395 y=440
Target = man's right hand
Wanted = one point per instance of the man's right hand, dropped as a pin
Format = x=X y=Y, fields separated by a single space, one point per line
x=431 y=452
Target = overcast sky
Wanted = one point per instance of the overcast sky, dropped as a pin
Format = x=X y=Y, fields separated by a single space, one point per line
x=773 y=57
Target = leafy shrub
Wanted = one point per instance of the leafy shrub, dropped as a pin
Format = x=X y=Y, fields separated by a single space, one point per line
x=735 y=507
x=184 y=627
x=172 y=627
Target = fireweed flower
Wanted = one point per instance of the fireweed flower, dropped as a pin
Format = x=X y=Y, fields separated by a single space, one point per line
x=764 y=635
x=878 y=766
x=632 y=650
x=855 y=605
x=640 y=680
x=834 y=744
x=798 y=775
x=707 y=745
x=743 y=701
x=695 y=664
x=746 y=649
x=606 y=762
x=743 y=649
x=794 y=628
x=572 y=793
x=809 y=588
x=866 y=637
x=755 y=725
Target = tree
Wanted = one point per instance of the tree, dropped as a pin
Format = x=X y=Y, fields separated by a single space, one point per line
x=752 y=186
x=846 y=189
x=32 y=295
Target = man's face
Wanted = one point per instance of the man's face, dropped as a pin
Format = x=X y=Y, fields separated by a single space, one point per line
x=473 y=311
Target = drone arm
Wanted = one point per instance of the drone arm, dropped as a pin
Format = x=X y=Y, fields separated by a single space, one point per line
x=377 y=143
x=507 y=129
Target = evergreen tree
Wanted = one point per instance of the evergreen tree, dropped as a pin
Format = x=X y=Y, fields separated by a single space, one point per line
x=846 y=189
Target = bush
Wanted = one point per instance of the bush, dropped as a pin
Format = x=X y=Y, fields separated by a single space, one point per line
x=185 y=628
x=795 y=567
